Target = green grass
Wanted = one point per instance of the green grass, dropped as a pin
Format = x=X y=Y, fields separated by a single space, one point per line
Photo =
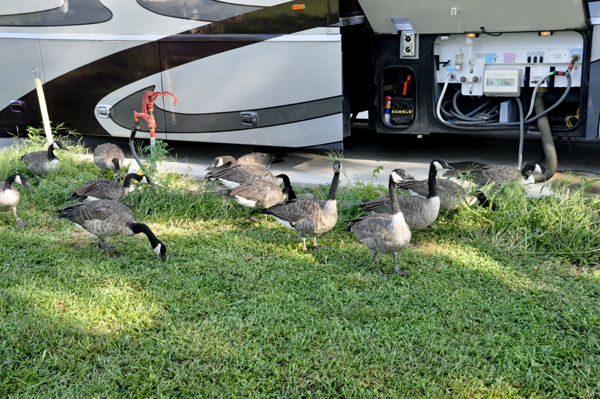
x=498 y=304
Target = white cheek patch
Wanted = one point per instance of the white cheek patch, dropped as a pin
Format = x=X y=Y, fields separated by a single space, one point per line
x=396 y=177
x=157 y=249
x=537 y=169
x=438 y=166
x=220 y=163
x=18 y=179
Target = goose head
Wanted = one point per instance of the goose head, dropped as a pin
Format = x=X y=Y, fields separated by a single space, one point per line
x=398 y=175
x=21 y=179
x=161 y=250
x=116 y=163
x=531 y=168
x=143 y=179
x=222 y=161
x=440 y=164
x=57 y=145
x=337 y=166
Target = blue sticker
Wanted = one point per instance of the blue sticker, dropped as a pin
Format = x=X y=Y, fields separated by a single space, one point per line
x=490 y=58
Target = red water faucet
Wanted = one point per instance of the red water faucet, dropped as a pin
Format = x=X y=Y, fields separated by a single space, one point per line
x=148 y=110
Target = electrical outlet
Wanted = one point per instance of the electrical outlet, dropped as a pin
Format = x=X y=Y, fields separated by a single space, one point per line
x=408 y=44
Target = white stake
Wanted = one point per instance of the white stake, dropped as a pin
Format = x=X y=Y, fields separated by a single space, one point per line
x=43 y=107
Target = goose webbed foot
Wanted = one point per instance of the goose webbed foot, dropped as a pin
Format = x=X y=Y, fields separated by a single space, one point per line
x=315 y=246
x=304 y=244
x=250 y=218
x=101 y=246
x=398 y=271
x=378 y=268
x=21 y=224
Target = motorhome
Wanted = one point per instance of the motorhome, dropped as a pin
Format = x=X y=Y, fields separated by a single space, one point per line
x=298 y=74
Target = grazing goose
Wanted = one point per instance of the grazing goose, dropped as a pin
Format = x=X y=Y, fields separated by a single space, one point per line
x=102 y=188
x=499 y=174
x=385 y=233
x=239 y=174
x=483 y=174
x=261 y=193
x=418 y=212
x=42 y=162
x=9 y=195
x=260 y=158
x=107 y=218
x=109 y=156
x=452 y=195
x=309 y=216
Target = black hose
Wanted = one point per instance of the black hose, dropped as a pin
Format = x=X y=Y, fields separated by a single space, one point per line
x=134 y=130
x=547 y=139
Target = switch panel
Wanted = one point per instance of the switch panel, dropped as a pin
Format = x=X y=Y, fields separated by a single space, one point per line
x=509 y=51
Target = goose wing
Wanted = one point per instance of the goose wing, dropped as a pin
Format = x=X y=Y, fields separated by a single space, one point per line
x=83 y=213
x=380 y=205
x=418 y=186
x=265 y=193
x=495 y=173
x=260 y=158
x=100 y=188
x=371 y=225
x=242 y=173
x=299 y=214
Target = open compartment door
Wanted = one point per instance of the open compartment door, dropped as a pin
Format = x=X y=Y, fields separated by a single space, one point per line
x=460 y=16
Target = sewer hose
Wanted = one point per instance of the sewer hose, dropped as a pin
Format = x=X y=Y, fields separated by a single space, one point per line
x=547 y=140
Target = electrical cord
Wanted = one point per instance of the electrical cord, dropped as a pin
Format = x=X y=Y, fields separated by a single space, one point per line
x=439 y=104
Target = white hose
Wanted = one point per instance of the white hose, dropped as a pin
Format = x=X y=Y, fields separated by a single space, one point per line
x=470 y=47
x=439 y=103
x=537 y=86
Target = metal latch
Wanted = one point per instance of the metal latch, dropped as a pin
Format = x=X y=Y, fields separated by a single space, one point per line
x=249 y=118
x=104 y=111
x=18 y=106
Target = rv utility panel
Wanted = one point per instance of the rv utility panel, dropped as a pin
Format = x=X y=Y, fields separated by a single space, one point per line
x=460 y=16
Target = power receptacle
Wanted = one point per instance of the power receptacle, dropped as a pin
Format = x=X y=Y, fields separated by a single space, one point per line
x=408 y=44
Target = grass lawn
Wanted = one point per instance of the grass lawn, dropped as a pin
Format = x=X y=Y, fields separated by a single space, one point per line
x=500 y=304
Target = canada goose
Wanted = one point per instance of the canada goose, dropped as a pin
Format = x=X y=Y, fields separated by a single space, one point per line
x=107 y=218
x=418 y=212
x=260 y=158
x=99 y=189
x=385 y=233
x=109 y=156
x=483 y=174
x=261 y=193
x=499 y=174
x=236 y=175
x=9 y=195
x=452 y=195
x=42 y=162
x=309 y=216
